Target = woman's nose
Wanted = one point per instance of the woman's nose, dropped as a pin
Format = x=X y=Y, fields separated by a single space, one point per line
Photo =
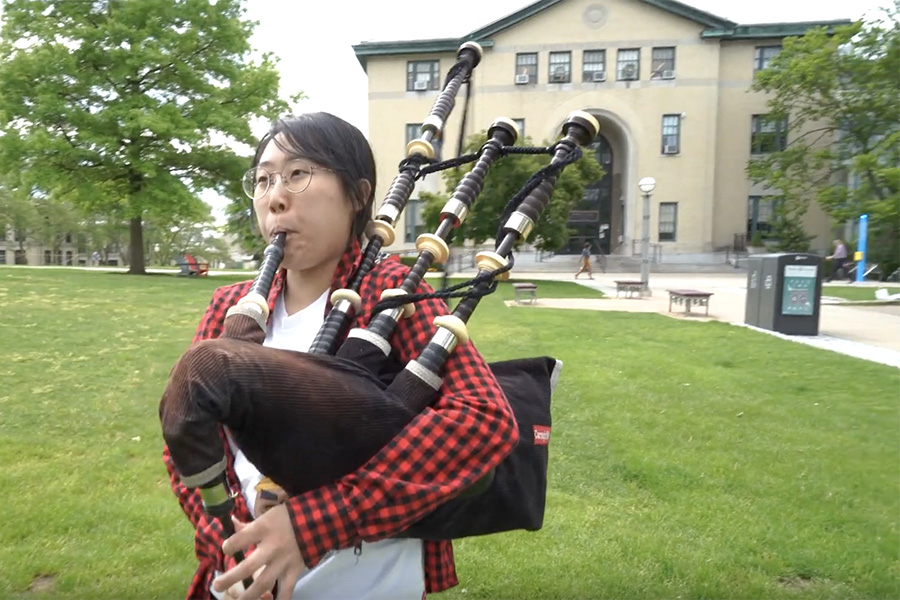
x=277 y=196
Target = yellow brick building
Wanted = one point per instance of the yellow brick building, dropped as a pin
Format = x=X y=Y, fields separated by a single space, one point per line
x=669 y=84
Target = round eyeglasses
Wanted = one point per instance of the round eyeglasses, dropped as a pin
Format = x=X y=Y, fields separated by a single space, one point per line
x=295 y=179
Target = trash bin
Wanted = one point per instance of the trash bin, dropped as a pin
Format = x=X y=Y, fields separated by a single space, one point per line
x=754 y=284
x=784 y=292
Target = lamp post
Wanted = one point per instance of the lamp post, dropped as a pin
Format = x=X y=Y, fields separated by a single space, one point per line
x=647 y=184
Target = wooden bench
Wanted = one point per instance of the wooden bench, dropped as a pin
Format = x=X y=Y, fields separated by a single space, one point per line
x=689 y=298
x=525 y=291
x=630 y=287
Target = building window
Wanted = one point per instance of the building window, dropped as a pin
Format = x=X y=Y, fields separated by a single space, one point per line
x=526 y=67
x=520 y=123
x=593 y=65
x=628 y=66
x=2 y=257
x=415 y=225
x=422 y=75
x=560 y=67
x=414 y=131
x=761 y=215
x=671 y=134
x=668 y=221
x=763 y=55
x=662 y=64
x=767 y=134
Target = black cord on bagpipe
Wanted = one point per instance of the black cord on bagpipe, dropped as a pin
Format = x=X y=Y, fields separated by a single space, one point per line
x=477 y=290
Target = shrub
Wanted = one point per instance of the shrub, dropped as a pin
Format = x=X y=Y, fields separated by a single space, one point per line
x=409 y=260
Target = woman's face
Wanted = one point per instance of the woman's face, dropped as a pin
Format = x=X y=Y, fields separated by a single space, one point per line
x=317 y=221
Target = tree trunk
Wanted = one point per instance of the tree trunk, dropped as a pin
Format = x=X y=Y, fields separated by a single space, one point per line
x=20 y=236
x=136 y=247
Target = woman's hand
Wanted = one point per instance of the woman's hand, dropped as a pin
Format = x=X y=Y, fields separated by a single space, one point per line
x=235 y=591
x=277 y=557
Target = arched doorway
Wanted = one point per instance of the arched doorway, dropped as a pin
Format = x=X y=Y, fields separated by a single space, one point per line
x=591 y=219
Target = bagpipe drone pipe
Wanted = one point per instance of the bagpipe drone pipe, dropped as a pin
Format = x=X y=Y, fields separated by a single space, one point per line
x=305 y=419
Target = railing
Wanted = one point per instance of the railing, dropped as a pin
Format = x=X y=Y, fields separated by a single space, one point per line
x=733 y=257
x=656 y=250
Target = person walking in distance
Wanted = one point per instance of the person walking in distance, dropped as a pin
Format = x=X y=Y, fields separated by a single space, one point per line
x=839 y=259
x=585 y=261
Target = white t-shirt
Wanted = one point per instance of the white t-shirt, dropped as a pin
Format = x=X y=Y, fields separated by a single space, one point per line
x=389 y=569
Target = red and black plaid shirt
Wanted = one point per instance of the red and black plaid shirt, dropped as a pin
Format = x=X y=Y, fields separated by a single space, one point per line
x=447 y=447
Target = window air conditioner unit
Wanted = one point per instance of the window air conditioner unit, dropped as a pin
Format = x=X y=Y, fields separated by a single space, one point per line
x=670 y=149
x=668 y=74
x=558 y=75
x=598 y=76
x=420 y=86
x=628 y=72
x=522 y=79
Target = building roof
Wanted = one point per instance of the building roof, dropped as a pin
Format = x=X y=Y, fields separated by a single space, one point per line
x=716 y=28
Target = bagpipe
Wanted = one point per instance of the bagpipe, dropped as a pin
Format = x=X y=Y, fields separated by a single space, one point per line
x=307 y=419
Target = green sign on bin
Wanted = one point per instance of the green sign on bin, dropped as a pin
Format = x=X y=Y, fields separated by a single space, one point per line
x=799 y=290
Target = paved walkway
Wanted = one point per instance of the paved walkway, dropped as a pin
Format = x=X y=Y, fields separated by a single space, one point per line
x=871 y=332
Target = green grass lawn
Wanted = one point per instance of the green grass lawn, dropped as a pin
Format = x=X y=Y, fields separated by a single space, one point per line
x=688 y=459
x=850 y=292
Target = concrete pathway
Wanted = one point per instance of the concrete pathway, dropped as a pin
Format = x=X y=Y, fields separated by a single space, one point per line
x=871 y=332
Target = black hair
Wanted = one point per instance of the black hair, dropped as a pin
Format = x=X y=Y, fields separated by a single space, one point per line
x=330 y=142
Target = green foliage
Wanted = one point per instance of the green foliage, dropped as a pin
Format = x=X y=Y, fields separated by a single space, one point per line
x=169 y=240
x=788 y=230
x=884 y=246
x=410 y=259
x=757 y=240
x=130 y=109
x=506 y=177
x=840 y=94
x=241 y=224
x=18 y=213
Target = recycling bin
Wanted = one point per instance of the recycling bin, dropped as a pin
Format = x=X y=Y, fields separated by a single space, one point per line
x=784 y=292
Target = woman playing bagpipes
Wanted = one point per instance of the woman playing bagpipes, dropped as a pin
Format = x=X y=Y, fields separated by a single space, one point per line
x=313 y=179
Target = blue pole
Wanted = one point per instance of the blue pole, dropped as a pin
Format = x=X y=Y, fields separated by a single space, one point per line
x=861 y=247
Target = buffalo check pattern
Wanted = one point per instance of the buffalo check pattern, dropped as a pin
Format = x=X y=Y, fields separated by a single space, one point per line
x=467 y=431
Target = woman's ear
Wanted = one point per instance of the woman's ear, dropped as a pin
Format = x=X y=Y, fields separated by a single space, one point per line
x=364 y=186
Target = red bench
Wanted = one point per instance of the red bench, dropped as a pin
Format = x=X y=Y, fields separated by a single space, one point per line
x=192 y=267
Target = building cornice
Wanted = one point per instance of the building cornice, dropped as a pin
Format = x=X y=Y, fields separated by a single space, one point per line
x=771 y=30
x=413 y=46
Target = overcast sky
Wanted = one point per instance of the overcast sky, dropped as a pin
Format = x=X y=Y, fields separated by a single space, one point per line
x=314 y=38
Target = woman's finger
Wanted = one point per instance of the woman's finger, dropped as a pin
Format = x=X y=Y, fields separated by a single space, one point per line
x=244 y=535
x=263 y=582
x=239 y=572
x=236 y=591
